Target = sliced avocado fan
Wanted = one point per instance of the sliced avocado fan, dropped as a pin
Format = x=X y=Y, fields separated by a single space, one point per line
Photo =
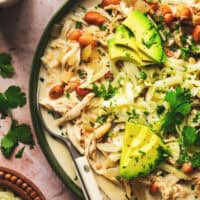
x=125 y=37
x=147 y=37
x=142 y=151
x=139 y=36
x=117 y=52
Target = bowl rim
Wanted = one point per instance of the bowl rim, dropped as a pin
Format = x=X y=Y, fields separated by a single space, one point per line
x=33 y=98
x=19 y=184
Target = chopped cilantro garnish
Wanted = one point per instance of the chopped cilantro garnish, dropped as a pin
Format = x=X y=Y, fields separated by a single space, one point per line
x=143 y=75
x=197 y=118
x=184 y=39
x=6 y=67
x=180 y=106
x=81 y=73
x=103 y=91
x=189 y=135
x=185 y=53
x=160 y=26
x=17 y=133
x=160 y=109
x=132 y=115
x=79 y=25
x=110 y=134
x=68 y=95
x=103 y=27
x=102 y=119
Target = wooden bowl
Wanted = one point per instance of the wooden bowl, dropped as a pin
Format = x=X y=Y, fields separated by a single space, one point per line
x=19 y=185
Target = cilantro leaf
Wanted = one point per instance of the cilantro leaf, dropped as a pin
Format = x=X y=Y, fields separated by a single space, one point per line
x=179 y=101
x=17 y=133
x=196 y=160
x=3 y=104
x=189 y=135
x=12 y=98
x=184 y=157
x=8 y=144
x=19 y=154
x=24 y=134
x=6 y=68
x=177 y=97
x=15 y=97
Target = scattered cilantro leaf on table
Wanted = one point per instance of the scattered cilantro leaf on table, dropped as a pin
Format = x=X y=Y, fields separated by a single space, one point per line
x=17 y=133
x=180 y=105
x=11 y=98
x=19 y=154
x=6 y=67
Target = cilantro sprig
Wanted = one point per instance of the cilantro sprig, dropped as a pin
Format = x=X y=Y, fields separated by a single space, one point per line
x=17 y=133
x=180 y=106
x=103 y=91
x=6 y=67
x=11 y=98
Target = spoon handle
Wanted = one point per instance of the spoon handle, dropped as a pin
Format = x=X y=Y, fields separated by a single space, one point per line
x=90 y=188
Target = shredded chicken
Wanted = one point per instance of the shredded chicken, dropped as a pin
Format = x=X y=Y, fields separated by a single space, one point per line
x=75 y=111
x=61 y=105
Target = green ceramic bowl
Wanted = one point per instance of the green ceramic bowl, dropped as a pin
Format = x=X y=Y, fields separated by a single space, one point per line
x=33 y=96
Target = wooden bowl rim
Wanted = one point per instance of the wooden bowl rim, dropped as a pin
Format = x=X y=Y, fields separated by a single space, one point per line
x=19 y=185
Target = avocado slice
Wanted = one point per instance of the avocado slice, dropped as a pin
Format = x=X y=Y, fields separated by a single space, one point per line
x=117 y=52
x=125 y=37
x=147 y=38
x=142 y=151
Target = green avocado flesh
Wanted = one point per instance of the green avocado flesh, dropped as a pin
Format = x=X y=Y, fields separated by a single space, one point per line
x=139 y=38
x=142 y=151
x=117 y=52
x=147 y=37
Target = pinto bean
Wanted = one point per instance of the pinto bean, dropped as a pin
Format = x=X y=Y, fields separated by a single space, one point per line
x=56 y=92
x=165 y=9
x=154 y=188
x=152 y=8
x=196 y=33
x=183 y=12
x=110 y=2
x=187 y=167
x=95 y=18
x=75 y=35
x=168 y=18
x=86 y=40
